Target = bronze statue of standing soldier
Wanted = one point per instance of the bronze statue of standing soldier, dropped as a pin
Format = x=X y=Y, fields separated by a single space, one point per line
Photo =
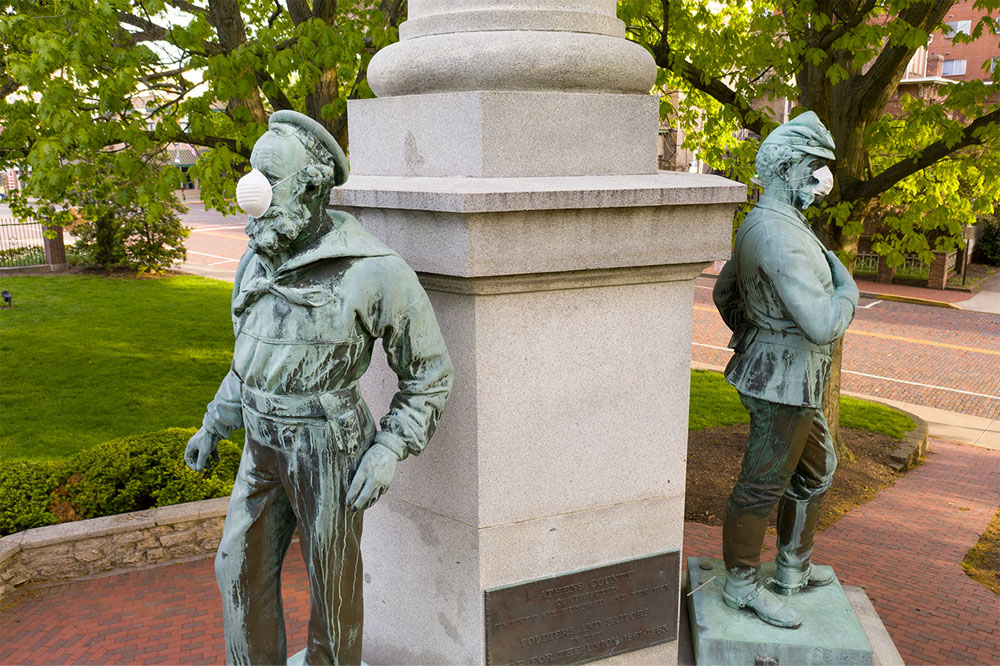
x=787 y=299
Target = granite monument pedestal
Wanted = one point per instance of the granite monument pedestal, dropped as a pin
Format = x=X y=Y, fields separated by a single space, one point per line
x=561 y=268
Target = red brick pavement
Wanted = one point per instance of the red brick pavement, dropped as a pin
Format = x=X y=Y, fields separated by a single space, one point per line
x=167 y=615
x=904 y=547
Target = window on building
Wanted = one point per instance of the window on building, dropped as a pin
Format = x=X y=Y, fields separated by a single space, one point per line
x=955 y=27
x=953 y=67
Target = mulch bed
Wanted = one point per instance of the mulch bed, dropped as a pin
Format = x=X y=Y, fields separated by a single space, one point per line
x=715 y=456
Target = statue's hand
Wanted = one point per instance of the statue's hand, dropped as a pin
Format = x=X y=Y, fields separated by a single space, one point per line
x=838 y=271
x=199 y=449
x=375 y=473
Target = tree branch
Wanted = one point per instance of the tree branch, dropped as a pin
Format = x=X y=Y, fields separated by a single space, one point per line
x=888 y=67
x=150 y=30
x=698 y=79
x=907 y=167
x=849 y=21
x=277 y=99
x=207 y=141
x=188 y=7
x=7 y=86
x=299 y=11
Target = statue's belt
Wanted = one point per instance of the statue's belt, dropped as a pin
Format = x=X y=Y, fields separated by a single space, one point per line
x=330 y=405
x=794 y=340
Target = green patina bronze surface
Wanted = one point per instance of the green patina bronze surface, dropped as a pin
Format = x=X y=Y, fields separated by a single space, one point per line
x=830 y=631
x=787 y=299
x=313 y=293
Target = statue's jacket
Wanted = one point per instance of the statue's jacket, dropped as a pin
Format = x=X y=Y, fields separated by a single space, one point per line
x=778 y=297
x=305 y=334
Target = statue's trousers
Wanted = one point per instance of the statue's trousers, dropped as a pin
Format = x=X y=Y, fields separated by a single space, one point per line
x=789 y=457
x=292 y=473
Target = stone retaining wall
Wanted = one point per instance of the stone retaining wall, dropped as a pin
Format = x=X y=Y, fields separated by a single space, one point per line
x=912 y=447
x=101 y=545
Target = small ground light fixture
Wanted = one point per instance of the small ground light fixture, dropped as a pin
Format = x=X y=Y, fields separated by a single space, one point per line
x=8 y=300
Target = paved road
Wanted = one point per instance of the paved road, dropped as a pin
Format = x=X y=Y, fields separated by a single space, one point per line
x=216 y=243
x=935 y=357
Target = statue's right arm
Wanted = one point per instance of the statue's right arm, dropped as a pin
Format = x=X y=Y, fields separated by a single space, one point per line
x=821 y=317
x=222 y=416
x=225 y=413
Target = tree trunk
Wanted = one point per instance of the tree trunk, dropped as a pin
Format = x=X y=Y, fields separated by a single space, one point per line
x=831 y=403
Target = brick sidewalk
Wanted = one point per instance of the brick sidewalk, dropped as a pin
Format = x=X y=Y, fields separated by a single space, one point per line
x=904 y=548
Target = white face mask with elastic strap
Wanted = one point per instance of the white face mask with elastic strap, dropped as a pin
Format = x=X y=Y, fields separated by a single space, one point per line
x=823 y=188
x=254 y=192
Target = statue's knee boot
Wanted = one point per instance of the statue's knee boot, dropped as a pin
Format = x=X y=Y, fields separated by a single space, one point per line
x=796 y=528
x=743 y=589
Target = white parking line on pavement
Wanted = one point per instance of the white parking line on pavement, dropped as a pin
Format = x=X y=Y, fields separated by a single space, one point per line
x=930 y=386
x=886 y=379
x=212 y=256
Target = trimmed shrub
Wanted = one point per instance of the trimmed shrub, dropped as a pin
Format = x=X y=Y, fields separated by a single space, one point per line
x=143 y=472
x=25 y=495
x=127 y=474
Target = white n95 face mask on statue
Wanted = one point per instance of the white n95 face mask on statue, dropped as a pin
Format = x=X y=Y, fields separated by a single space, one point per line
x=254 y=192
x=825 y=178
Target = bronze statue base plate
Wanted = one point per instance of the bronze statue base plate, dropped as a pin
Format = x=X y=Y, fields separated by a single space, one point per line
x=830 y=631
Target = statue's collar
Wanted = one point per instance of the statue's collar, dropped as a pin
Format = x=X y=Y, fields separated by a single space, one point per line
x=346 y=238
x=781 y=208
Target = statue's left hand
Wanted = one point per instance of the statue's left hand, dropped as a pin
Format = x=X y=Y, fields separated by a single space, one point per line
x=377 y=469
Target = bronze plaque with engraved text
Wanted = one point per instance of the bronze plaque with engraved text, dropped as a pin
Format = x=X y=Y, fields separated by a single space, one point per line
x=584 y=615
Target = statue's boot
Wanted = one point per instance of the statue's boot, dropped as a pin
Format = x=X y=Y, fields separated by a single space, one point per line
x=744 y=590
x=796 y=527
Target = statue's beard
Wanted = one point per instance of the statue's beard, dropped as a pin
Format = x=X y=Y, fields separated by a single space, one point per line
x=273 y=232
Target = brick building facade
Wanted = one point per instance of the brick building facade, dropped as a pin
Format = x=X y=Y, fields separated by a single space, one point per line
x=943 y=62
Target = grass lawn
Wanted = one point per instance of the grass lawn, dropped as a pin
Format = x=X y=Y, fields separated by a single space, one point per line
x=714 y=403
x=86 y=359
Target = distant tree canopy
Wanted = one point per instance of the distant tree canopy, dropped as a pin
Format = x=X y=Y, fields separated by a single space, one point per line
x=926 y=173
x=81 y=77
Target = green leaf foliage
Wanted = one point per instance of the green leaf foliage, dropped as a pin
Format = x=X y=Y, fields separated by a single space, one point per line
x=26 y=495
x=144 y=472
x=127 y=474
x=918 y=177
x=83 y=78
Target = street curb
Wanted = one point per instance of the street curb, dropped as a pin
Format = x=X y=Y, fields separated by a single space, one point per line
x=910 y=299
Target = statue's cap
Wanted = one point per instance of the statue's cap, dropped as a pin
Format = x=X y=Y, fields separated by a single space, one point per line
x=805 y=133
x=319 y=134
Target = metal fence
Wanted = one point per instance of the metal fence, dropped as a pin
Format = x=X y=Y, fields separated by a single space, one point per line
x=866 y=262
x=913 y=267
x=21 y=244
